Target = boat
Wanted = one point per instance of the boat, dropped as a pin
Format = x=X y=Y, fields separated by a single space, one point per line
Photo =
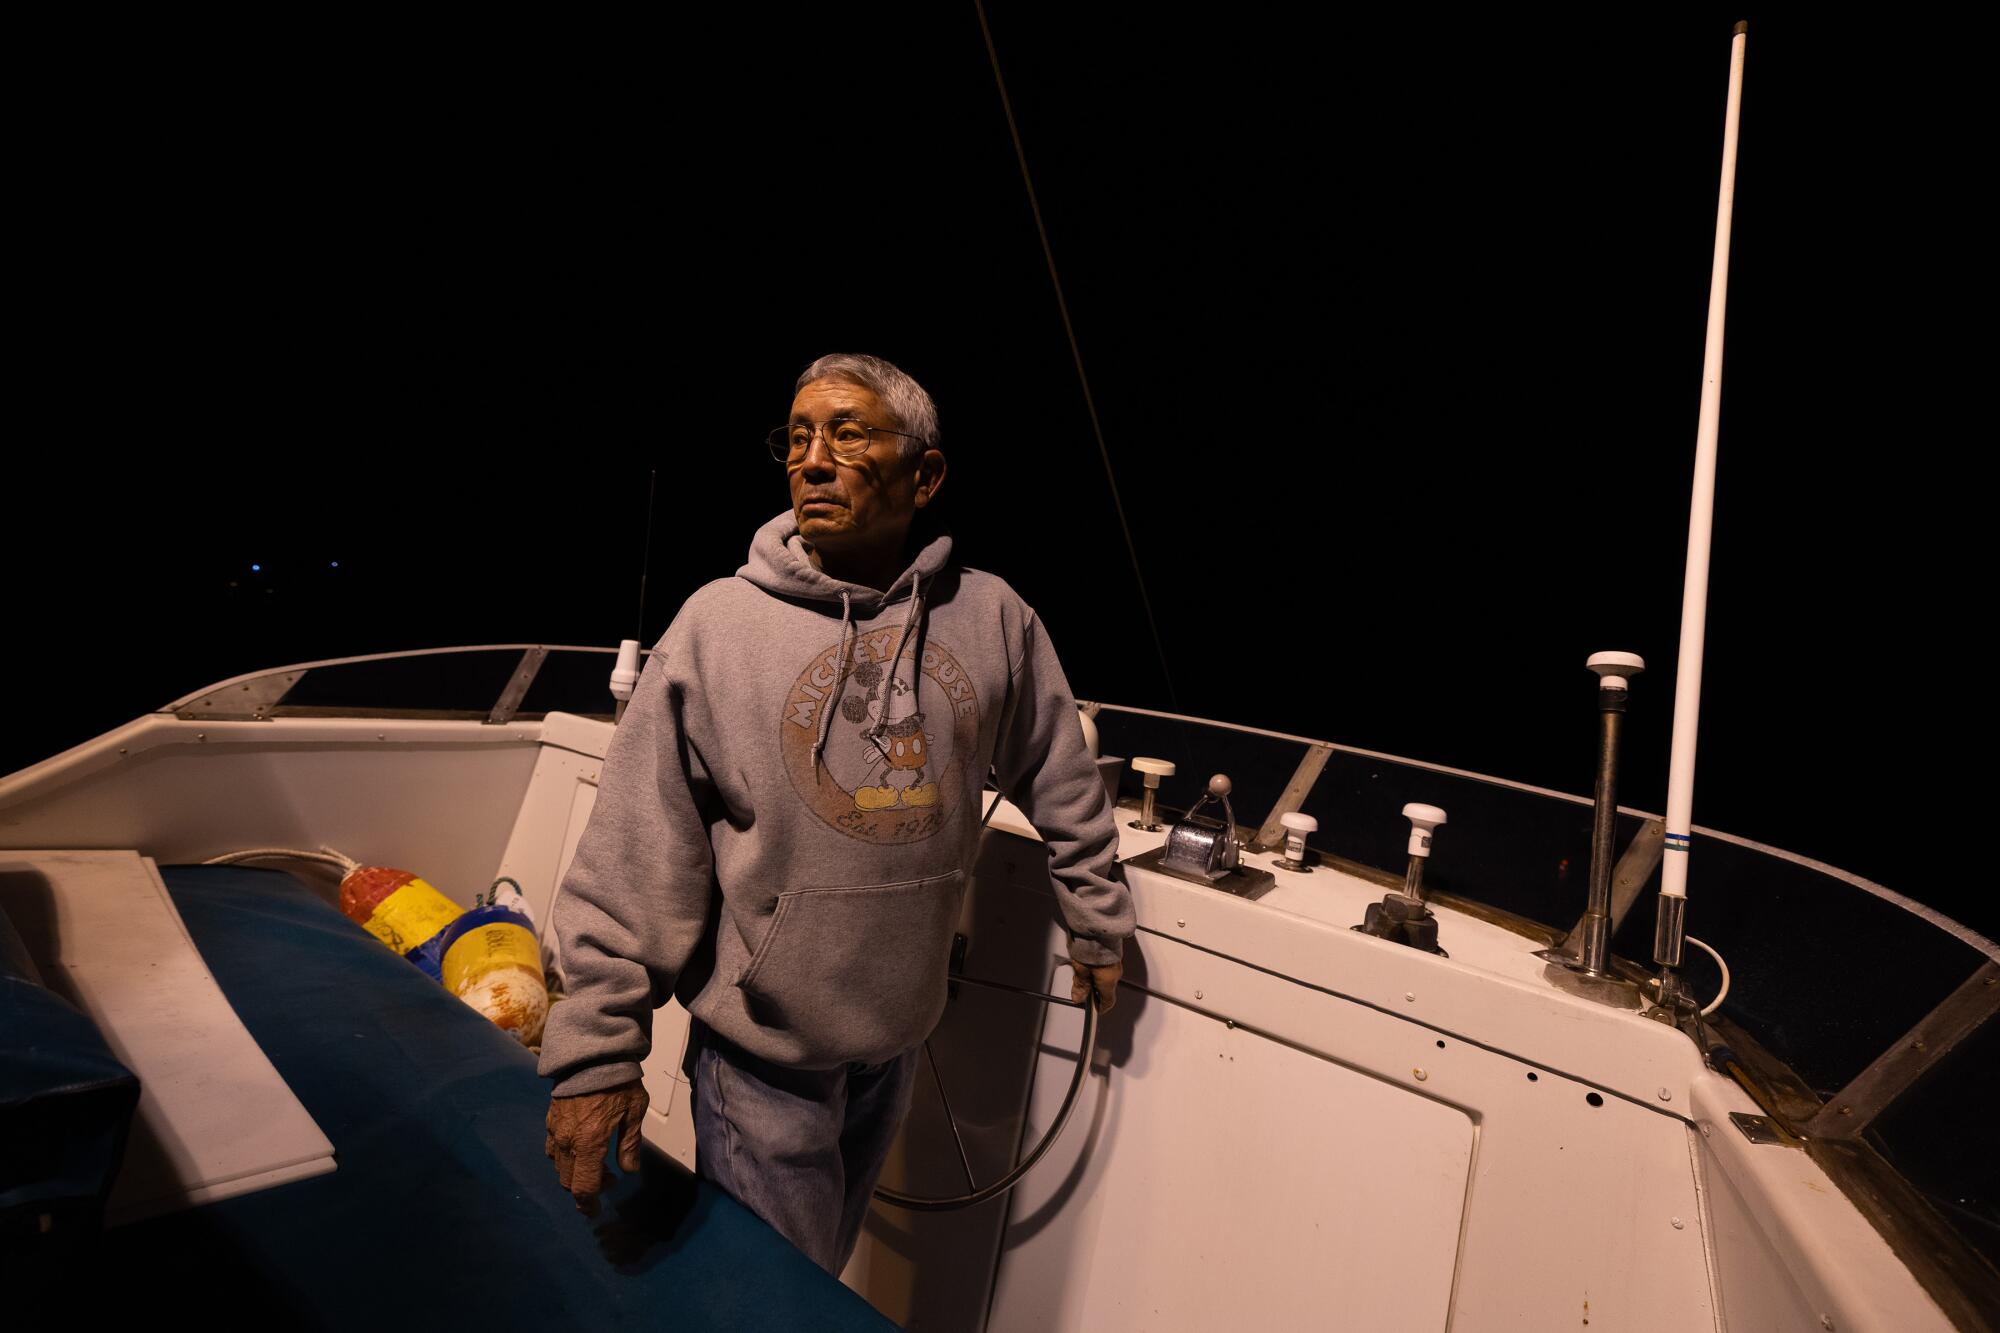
x=1283 y=1116
x=1380 y=1062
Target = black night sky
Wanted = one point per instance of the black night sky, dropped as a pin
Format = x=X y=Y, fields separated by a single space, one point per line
x=1393 y=325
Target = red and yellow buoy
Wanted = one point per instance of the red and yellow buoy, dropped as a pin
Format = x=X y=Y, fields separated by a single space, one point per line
x=487 y=957
x=401 y=910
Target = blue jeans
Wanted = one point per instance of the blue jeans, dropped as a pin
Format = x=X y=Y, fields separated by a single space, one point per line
x=801 y=1148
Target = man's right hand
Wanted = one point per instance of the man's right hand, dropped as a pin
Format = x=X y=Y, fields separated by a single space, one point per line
x=581 y=1129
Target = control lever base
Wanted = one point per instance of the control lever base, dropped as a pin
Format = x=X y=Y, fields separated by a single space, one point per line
x=1403 y=919
x=1243 y=881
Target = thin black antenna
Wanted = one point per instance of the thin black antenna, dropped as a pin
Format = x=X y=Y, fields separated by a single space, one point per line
x=646 y=560
x=1089 y=403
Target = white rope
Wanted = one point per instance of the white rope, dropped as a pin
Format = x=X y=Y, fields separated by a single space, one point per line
x=325 y=855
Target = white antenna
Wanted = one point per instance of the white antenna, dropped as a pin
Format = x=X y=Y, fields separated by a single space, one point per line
x=1670 y=928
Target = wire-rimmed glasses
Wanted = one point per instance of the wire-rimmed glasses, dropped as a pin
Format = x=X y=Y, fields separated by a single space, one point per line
x=848 y=437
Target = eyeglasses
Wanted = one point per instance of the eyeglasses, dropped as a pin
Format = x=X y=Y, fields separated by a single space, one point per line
x=848 y=437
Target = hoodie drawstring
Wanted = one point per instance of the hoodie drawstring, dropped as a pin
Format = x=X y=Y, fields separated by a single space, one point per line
x=911 y=618
x=839 y=680
x=896 y=660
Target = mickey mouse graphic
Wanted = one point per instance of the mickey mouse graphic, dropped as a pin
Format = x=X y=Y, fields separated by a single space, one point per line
x=895 y=731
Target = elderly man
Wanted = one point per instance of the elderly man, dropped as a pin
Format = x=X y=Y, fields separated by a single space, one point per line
x=787 y=816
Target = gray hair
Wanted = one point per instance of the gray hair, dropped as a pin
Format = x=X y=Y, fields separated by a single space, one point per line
x=904 y=397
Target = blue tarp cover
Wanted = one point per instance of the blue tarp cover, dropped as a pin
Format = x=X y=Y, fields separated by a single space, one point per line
x=444 y=1212
x=66 y=1101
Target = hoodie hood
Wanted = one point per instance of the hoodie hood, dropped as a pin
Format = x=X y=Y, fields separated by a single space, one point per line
x=779 y=564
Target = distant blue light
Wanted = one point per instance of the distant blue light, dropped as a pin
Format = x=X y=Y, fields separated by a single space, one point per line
x=255 y=568
x=336 y=564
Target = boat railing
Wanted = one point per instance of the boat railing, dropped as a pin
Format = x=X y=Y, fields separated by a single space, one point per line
x=1865 y=1011
x=495 y=683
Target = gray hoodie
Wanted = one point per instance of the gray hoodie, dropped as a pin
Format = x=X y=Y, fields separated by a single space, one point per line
x=790 y=808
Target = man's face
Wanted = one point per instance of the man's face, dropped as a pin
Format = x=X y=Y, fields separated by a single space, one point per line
x=844 y=504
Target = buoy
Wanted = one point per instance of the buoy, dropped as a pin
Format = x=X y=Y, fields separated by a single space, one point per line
x=487 y=957
x=493 y=962
x=403 y=911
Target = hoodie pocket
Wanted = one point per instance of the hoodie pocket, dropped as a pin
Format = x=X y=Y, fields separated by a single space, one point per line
x=856 y=972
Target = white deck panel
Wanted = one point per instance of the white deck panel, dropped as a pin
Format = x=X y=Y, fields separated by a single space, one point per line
x=1197 y=1187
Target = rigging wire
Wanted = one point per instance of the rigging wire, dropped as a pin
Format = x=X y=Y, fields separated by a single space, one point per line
x=1076 y=354
x=646 y=558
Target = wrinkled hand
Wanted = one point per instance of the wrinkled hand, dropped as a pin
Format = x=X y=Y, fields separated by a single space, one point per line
x=582 y=1127
x=1104 y=980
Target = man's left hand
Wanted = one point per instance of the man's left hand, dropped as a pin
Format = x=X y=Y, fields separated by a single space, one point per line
x=1103 y=980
